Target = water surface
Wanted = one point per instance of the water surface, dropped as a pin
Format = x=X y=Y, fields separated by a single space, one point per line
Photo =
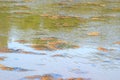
x=71 y=38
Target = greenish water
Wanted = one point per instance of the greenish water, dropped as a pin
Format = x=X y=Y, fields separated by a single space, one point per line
x=28 y=22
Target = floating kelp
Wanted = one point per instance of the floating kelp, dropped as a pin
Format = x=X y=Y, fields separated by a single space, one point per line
x=10 y=1
x=116 y=9
x=58 y=55
x=64 y=21
x=2 y=58
x=46 y=21
x=49 y=77
x=58 y=16
x=22 y=13
x=70 y=3
x=28 y=0
x=85 y=7
x=93 y=33
x=20 y=7
x=98 y=18
x=57 y=22
x=51 y=44
x=5 y=50
x=21 y=41
x=102 y=49
x=4 y=8
x=118 y=42
x=104 y=18
x=3 y=67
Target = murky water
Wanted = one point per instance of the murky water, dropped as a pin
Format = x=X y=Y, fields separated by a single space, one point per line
x=62 y=38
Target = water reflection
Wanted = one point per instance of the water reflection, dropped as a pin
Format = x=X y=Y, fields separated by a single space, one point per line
x=79 y=37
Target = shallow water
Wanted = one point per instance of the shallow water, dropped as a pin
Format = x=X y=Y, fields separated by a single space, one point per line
x=70 y=38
